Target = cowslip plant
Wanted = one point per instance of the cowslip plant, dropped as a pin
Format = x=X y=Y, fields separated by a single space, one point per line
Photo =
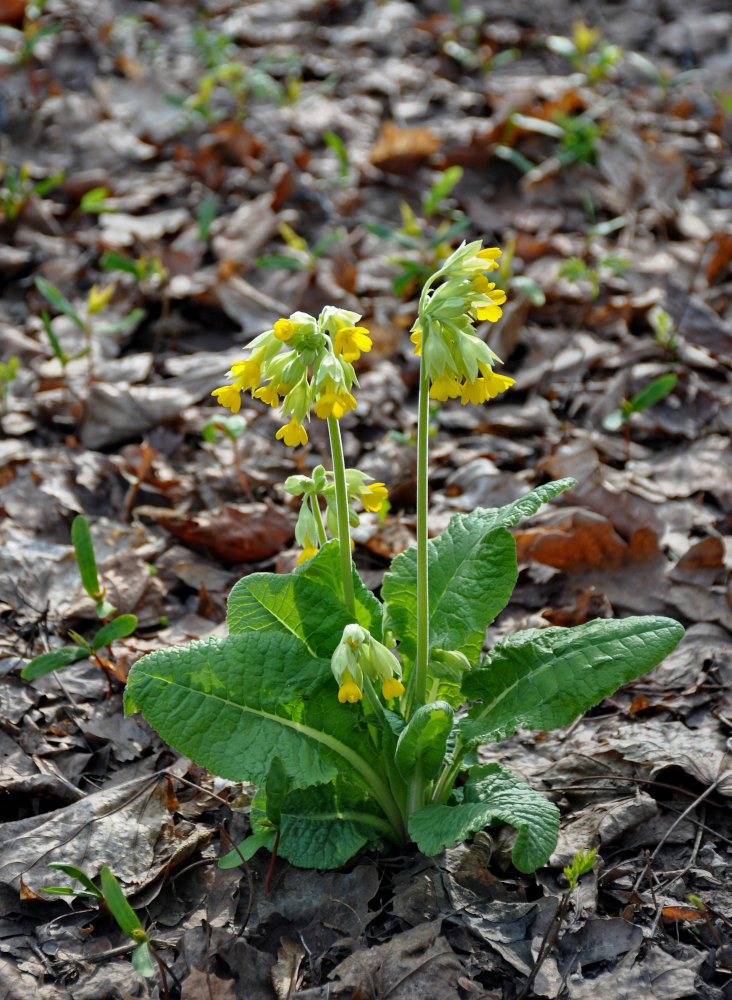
x=376 y=707
x=117 y=628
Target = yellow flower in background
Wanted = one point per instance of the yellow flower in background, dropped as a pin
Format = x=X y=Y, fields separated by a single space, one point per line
x=98 y=300
x=416 y=339
x=268 y=394
x=391 y=688
x=351 y=341
x=373 y=497
x=283 y=330
x=229 y=396
x=293 y=434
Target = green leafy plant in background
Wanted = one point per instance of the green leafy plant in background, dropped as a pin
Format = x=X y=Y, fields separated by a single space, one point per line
x=299 y=255
x=575 y=136
x=117 y=628
x=375 y=707
x=18 y=45
x=588 y=54
x=97 y=300
x=427 y=238
x=18 y=187
x=8 y=373
x=578 y=269
x=114 y=899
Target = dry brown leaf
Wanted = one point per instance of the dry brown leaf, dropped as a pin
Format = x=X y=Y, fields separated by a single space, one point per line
x=234 y=532
x=200 y=985
x=286 y=970
x=719 y=265
x=398 y=150
x=671 y=914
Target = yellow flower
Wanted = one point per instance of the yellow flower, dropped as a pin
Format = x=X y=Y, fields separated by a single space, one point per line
x=307 y=553
x=494 y=383
x=249 y=373
x=229 y=396
x=391 y=688
x=293 y=434
x=268 y=394
x=283 y=329
x=491 y=255
x=445 y=387
x=351 y=341
x=373 y=496
x=473 y=392
x=349 y=690
x=334 y=404
x=416 y=339
x=98 y=300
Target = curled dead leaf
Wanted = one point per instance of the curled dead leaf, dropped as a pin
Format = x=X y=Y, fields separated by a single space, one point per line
x=234 y=532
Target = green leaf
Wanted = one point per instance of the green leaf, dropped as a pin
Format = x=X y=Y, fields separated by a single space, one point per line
x=104 y=609
x=274 y=260
x=385 y=233
x=58 y=301
x=422 y=744
x=545 y=678
x=264 y=837
x=80 y=876
x=128 y=321
x=142 y=960
x=120 y=909
x=653 y=392
x=47 y=662
x=95 y=201
x=81 y=539
x=472 y=573
x=118 y=628
x=275 y=789
x=307 y=603
x=234 y=704
x=55 y=345
x=112 y=261
x=492 y=795
x=324 y=825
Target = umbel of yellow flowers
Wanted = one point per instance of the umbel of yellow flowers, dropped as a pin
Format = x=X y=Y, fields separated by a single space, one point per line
x=359 y=654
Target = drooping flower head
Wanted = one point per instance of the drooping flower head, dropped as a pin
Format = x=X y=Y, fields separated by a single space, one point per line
x=458 y=363
x=306 y=366
x=357 y=655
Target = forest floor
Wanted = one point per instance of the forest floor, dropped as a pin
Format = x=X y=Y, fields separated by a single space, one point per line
x=224 y=164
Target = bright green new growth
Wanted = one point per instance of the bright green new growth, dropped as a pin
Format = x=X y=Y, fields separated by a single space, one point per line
x=117 y=628
x=289 y=700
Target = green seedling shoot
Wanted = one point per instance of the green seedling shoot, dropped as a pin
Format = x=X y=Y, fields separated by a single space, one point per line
x=427 y=238
x=654 y=392
x=587 y=53
x=97 y=300
x=376 y=706
x=17 y=187
x=576 y=269
x=112 y=896
x=8 y=374
x=117 y=628
x=299 y=255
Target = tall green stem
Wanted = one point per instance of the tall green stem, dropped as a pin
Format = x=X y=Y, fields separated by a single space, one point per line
x=344 y=532
x=315 y=507
x=423 y=620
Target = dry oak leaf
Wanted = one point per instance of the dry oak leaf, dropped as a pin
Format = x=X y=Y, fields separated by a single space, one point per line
x=397 y=149
x=234 y=533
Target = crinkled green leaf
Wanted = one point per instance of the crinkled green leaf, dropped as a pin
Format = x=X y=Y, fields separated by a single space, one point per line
x=491 y=796
x=545 y=678
x=472 y=573
x=422 y=744
x=324 y=825
x=302 y=603
x=234 y=704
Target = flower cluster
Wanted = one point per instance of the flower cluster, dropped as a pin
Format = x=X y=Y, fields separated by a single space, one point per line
x=305 y=364
x=357 y=655
x=459 y=364
x=310 y=530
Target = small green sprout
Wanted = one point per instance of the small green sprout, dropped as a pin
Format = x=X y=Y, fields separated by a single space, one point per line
x=8 y=374
x=299 y=255
x=17 y=188
x=655 y=391
x=111 y=894
x=582 y=862
x=97 y=300
x=117 y=628
x=577 y=269
x=587 y=53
